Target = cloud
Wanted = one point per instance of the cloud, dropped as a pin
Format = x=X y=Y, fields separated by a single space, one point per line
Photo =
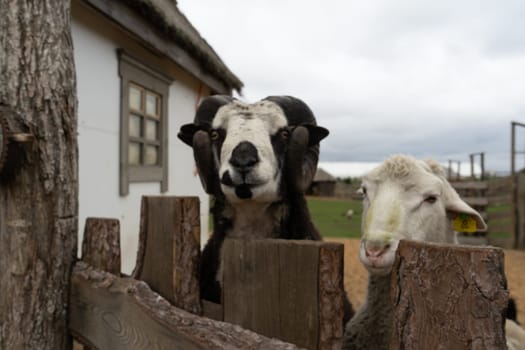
x=428 y=78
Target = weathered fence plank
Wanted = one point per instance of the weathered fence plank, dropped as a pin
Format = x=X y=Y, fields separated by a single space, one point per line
x=476 y=201
x=101 y=244
x=169 y=249
x=109 y=312
x=101 y=248
x=331 y=300
x=448 y=297
x=502 y=227
x=291 y=290
x=501 y=215
x=470 y=185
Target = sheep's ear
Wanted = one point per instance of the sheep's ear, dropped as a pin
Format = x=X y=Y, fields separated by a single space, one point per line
x=455 y=207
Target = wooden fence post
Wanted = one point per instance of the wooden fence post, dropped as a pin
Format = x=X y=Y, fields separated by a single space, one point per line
x=169 y=249
x=101 y=250
x=448 y=297
x=101 y=244
x=291 y=290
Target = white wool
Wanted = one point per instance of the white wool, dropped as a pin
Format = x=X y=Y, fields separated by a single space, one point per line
x=515 y=336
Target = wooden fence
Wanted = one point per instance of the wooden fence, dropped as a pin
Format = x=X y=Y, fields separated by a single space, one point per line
x=291 y=290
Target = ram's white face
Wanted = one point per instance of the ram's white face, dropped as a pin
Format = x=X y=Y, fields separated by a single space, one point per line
x=405 y=199
x=245 y=139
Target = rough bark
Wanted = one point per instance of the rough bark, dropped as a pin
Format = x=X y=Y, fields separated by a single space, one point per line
x=38 y=206
x=448 y=297
x=101 y=244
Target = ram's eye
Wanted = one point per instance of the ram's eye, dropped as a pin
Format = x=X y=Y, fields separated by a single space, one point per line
x=285 y=134
x=214 y=135
x=431 y=199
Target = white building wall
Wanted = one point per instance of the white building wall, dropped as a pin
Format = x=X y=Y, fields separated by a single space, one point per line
x=98 y=89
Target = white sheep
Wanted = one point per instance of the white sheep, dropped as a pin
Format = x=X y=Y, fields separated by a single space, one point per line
x=404 y=198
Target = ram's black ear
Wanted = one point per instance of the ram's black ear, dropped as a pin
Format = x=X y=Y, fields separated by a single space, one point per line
x=196 y=135
x=303 y=147
x=204 y=160
x=186 y=133
x=315 y=134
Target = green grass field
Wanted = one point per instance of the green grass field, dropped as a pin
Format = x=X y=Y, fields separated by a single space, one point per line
x=328 y=215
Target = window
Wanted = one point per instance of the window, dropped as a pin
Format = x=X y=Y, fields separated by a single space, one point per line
x=143 y=124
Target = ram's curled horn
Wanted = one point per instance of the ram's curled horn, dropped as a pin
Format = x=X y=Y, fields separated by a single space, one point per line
x=197 y=136
x=303 y=148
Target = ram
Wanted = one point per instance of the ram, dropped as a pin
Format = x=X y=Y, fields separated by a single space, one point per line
x=404 y=198
x=257 y=160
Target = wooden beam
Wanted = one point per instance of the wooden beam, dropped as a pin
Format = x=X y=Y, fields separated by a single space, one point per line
x=169 y=249
x=502 y=227
x=501 y=215
x=476 y=201
x=448 y=297
x=470 y=185
x=101 y=244
x=291 y=290
x=501 y=200
x=109 y=312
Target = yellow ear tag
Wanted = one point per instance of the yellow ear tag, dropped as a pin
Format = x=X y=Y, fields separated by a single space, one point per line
x=465 y=223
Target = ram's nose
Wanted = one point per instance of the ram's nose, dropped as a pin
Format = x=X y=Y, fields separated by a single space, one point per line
x=244 y=157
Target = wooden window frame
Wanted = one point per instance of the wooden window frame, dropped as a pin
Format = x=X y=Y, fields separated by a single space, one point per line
x=133 y=72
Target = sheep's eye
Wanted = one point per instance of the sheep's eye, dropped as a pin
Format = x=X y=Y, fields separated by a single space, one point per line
x=214 y=135
x=431 y=199
x=285 y=134
x=362 y=190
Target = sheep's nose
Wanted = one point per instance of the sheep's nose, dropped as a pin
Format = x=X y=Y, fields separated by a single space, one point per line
x=374 y=249
x=244 y=156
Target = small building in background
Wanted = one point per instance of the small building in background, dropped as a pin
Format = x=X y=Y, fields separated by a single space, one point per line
x=323 y=184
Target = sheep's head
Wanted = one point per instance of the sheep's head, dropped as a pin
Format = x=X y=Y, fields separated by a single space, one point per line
x=405 y=198
x=246 y=151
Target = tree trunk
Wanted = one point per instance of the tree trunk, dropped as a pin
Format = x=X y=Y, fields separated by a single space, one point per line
x=39 y=203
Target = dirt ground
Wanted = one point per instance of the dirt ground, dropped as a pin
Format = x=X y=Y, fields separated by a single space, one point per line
x=356 y=275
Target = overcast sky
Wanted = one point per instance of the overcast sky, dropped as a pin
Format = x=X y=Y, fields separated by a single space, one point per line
x=438 y=79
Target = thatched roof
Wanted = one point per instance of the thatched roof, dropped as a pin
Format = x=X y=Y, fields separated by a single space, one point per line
x=165 y=16
x=323 y=176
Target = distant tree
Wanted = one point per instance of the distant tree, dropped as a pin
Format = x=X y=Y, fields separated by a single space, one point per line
x=38 y=204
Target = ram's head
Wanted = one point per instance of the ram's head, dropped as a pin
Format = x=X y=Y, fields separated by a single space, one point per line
x=248 y=151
